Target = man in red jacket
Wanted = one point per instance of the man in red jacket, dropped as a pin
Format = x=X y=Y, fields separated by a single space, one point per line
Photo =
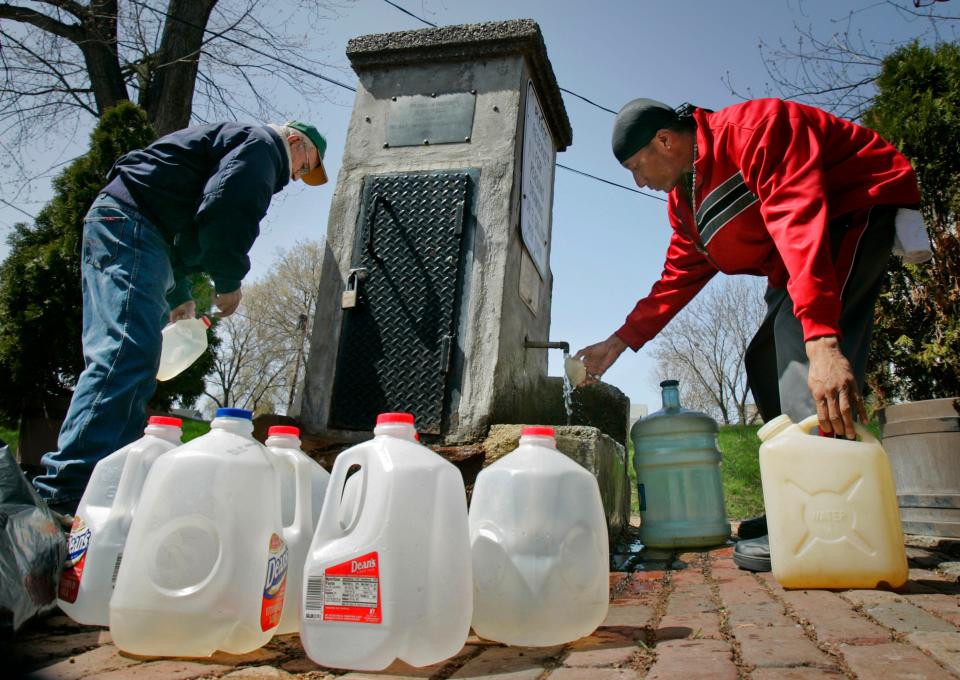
x=780 y=190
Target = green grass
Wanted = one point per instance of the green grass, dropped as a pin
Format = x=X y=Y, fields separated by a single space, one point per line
x=194 y=428
x=191 y=430
x=740 y=472
x=9 y=435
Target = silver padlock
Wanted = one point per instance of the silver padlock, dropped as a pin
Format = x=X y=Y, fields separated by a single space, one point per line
x=349 y=298
x=351 y=294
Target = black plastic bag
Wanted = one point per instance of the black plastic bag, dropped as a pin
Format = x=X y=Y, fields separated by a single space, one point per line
x=32 y=548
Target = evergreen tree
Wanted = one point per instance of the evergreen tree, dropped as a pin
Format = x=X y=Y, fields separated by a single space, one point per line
x=916 y=348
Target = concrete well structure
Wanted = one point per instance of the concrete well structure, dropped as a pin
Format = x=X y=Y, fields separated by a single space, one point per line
x=443 y=206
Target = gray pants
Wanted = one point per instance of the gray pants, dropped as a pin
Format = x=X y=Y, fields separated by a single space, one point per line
x=776 y=360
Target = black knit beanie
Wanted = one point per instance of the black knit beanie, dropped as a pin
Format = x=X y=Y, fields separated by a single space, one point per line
x=637 y=123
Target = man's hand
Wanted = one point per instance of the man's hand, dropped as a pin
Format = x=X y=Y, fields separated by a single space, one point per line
x=227 y=303
x=834 y=387
x=599 y=357
x=186 y=310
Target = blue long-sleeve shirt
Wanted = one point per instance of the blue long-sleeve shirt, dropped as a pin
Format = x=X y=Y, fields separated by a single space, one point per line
x=206 y=188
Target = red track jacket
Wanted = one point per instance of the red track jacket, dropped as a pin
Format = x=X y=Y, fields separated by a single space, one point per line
x=770 y=176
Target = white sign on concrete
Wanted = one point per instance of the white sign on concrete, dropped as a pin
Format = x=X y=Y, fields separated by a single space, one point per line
x=539 y=161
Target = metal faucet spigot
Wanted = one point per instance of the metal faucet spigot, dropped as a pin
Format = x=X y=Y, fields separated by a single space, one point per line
x=539 y=344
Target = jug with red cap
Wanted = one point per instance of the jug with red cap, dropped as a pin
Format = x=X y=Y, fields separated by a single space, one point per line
x=102 y=521
x=538 y=538
x=303 y=484
x=388 y=572
x=184 y=341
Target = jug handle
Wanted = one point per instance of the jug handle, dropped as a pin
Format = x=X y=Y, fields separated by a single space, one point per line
x=131 y=475
x=302 y=508
x=810 y=422
x=328 y=526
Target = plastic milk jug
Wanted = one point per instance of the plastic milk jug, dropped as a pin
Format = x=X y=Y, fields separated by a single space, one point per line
x=183 y=343
x=538 y=537
x=832 y=512
x=303 y=484
x=389 y=577
x=102 y=522
x=205 y=564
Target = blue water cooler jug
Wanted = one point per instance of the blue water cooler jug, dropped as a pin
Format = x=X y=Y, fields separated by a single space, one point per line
x=677 y=462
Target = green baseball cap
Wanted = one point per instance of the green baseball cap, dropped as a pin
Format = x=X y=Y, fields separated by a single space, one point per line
x=318 y=175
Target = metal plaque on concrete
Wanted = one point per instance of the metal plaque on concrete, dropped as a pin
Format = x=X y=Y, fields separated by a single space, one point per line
x=428 y=119
x=539 y=160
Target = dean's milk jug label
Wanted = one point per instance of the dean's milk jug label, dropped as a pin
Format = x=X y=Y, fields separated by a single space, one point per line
x=276 y=584
x=77 y=545
x=349 y=591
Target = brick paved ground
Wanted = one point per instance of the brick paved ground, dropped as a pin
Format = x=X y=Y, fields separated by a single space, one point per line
x=692 y=615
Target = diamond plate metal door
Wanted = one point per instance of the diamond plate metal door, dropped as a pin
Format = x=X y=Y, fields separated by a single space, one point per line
x=395 y=345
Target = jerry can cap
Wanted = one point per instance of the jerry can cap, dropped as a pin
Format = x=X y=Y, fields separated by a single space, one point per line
x=774 y=427
x=386 y=418
x=283 y=430
x=234 y=413
x=537 y=431
x=165 y=420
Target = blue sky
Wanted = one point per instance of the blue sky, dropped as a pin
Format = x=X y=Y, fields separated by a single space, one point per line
x=608 y=243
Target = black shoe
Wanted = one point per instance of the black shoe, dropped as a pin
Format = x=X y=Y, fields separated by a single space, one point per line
x=753 y=528
x=753 y=554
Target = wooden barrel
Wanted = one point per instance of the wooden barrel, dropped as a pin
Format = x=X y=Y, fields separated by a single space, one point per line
x=922 y=439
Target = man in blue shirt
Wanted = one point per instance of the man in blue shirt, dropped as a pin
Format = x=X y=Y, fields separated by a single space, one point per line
x=191 y=201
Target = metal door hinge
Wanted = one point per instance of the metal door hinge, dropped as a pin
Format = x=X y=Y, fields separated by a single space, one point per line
x=445 y=343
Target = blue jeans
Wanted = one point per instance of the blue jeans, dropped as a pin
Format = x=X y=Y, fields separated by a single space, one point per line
x=125 y=275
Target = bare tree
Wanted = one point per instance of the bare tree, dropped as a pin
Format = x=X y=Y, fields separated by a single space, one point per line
x=64 y=61
x=705 y=344
x=248 y=367
x=265 y=344
x=836 y=70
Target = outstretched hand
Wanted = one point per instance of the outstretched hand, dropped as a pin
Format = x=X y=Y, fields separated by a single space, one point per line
x=227 y=303
x=834 y=387
x=599 y=357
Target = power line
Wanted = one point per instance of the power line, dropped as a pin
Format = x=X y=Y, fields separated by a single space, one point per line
x=353 y=89
x=606 y=181
x=11 y=205
x=393 y=4
x=570 y=92
x=562 y=89
x=580 y=96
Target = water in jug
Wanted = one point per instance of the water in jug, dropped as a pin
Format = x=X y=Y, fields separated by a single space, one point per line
x=677 y=463
x=102 y=521
x=183 y=343
x=303 y=484
x=205 y=564
x=539 y=543
x=388 y=577
x=831 y=506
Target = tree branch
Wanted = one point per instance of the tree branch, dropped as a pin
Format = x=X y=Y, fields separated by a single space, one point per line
x=25 y=15
x=73 y=8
